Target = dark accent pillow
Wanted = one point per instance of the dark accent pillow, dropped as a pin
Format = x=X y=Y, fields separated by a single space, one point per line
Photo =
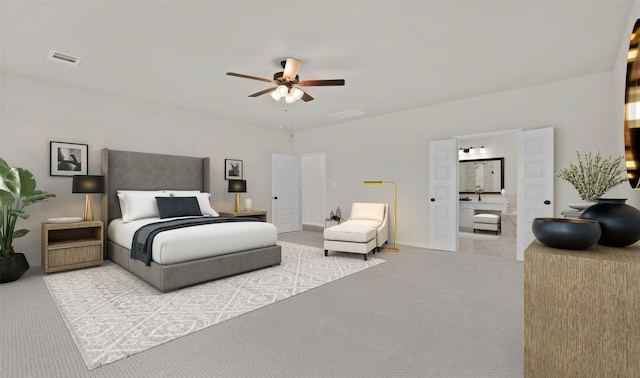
x=170 y=207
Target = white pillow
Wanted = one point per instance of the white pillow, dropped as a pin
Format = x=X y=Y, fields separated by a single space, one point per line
x=203 y=200
x=182 y=193
x=123 y=209
x=205 y=204
x=136 y=205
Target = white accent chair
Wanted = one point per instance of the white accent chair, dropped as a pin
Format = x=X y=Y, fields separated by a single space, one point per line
x=366 y=230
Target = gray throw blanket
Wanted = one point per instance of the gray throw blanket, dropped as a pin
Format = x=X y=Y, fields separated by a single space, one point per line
x=143 y=237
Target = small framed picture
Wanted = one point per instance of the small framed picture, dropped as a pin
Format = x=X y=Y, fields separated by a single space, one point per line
x=69 y=159
x=232 y=169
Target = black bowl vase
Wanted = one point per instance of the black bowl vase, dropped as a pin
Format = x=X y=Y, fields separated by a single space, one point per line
x=12 y=267
x=566 y=233
x=620 y=222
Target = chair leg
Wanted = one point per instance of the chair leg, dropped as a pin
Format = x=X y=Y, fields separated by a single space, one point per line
x=326 y=252
x=365 y=257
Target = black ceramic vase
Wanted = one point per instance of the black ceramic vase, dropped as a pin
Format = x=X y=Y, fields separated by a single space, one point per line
x=620 y=223
x=12 y=267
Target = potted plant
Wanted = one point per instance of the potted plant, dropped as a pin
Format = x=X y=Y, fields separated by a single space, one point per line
x=593 y=176
x=17 y=191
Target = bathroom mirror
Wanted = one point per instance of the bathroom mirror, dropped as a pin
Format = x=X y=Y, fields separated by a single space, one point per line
x=488 y=174
x=632 y=110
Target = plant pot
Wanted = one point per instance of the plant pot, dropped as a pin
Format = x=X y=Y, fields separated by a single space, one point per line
x=12 y=267
x=620 y=222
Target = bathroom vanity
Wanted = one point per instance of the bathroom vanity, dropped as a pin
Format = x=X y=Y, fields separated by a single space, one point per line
x=469 y=208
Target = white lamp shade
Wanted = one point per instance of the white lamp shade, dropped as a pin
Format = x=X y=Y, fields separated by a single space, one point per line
x=282 y=90
x=275 y=95
x=289 y=98
x=297 y=93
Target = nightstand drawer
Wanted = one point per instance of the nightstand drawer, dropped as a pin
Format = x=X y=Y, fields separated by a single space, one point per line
x=75 y=257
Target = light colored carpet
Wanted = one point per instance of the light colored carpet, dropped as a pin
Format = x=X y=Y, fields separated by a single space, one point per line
x=477 y=236
x=112 y=314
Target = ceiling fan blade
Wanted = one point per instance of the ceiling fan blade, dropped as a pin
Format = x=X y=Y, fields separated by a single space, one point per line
x=250 y=77
x=262 y=92
x=306 y=97
x=321 y=83
x=291 y=68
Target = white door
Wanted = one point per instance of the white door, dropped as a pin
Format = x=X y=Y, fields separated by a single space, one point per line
x=285 y=203
x=535 y=182
x=443 y=195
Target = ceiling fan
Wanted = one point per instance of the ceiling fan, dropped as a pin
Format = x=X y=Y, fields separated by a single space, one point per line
x=288 y=82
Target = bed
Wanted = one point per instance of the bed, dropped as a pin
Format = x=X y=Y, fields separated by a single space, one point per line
x=135 y=171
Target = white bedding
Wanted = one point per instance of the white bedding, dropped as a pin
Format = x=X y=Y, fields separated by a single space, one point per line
x=193 y=243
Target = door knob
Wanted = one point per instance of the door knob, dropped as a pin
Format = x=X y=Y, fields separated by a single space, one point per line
x=433 y=200
x=275 y=197
x=547 y=202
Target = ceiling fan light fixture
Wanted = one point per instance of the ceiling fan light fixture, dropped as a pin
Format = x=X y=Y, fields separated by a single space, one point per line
x=275 y=95
x=282 y=90
x=286 y=82
x=297 y=93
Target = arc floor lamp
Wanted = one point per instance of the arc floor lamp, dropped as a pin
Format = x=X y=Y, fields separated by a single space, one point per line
x=381 y=183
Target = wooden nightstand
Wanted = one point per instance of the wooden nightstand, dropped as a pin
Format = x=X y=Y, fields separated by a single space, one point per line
x=260 y=214
x=67 y=246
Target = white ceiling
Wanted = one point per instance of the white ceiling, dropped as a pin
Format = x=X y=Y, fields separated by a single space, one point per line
x=393 y=55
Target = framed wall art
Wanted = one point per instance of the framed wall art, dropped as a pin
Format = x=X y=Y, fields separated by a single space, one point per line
x=68 y=159
x=232 y=169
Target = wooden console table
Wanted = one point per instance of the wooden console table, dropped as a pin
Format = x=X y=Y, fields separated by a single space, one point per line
x=259 y=214
x=582 y=312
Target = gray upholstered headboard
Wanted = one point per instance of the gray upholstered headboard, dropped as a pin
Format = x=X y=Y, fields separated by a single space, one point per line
x=144 y=171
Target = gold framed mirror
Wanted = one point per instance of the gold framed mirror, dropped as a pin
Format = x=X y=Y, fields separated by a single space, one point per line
x=632 y=109
x=487 y=174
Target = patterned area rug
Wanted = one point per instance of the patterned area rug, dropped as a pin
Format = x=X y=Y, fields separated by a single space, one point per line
x=112 y=314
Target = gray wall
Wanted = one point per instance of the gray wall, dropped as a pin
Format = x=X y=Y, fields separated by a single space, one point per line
x=35 y=113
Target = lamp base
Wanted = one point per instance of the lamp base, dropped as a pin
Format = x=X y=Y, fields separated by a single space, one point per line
x=389 y=249
x=88 y=209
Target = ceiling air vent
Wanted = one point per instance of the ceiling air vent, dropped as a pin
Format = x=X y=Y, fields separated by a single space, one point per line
x=347 y=114
x=57 y=56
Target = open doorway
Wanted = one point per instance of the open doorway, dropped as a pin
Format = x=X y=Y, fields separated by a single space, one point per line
x=487 y=166
x=535 y=176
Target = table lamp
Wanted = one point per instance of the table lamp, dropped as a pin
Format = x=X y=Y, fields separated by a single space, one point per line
x=237 y=187
x=88 y=184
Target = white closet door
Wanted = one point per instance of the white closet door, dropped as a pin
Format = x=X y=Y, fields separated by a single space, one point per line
x=535 y=182
x=443 y=195
x=285 y=203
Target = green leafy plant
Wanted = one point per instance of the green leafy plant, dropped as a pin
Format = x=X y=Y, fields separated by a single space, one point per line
x=17 y=191
x=593 y=176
